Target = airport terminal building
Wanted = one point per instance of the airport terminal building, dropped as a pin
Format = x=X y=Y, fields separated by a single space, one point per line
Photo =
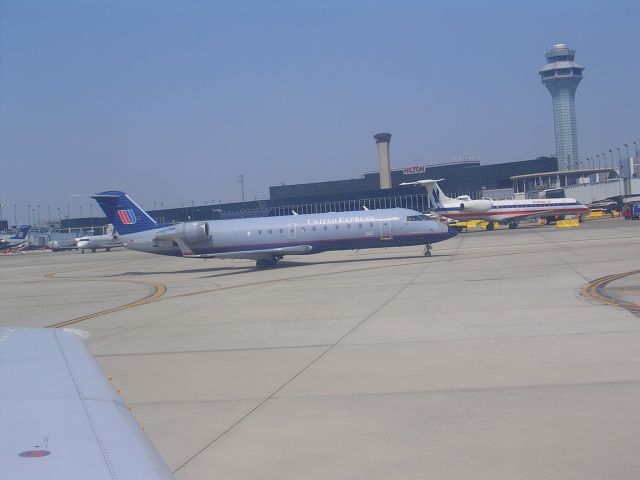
x=467 y=177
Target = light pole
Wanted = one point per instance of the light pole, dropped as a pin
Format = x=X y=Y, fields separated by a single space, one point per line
x=38 y=216
x=619 y=158
x=598 y=157
x=49 y=214
x=241 y=180
x=28 y=214
x=81 y=214
x=15 y=215
x=59 y=218
x=611 y=155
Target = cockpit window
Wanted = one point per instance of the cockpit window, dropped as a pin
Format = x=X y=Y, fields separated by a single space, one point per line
x=425 y=217
x=414 y=218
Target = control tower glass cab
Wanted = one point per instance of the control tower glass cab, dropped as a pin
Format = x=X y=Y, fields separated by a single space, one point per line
x=561 y=75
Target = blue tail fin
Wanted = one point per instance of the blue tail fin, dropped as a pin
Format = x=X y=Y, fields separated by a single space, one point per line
x=125 y=214
x=22 y=232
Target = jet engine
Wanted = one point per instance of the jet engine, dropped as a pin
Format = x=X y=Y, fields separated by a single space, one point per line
x=193 y=232
x=189 y=232
x=475 y=206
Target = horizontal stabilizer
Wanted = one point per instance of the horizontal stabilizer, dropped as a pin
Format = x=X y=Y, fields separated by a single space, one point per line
x=422 y=182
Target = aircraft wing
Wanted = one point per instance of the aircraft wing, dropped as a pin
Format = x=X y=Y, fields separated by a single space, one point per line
x=59 y=416
x=538 y=214
x=248 y=254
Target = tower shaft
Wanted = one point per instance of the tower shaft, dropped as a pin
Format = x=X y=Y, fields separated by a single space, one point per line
x=564 y=120
x=561 y=75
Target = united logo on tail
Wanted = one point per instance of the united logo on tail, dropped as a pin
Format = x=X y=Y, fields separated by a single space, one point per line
x=127 y=217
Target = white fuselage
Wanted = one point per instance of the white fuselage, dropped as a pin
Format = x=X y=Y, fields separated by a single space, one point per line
x=320 y=232
x=505 y=211
x=95 y=242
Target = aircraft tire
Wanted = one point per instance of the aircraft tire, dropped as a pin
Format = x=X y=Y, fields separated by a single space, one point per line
x=427 y=253
x=490 y=226
x=273 y=261
x=262 y=264
x=513 y=226
x=108 y=249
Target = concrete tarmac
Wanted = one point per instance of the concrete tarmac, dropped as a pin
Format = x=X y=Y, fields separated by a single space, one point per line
x=481 y=362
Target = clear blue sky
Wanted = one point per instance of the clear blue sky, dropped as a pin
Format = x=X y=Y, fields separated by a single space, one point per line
x=171 y=100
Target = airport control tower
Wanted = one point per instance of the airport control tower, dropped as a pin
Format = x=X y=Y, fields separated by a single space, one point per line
x=561 y=75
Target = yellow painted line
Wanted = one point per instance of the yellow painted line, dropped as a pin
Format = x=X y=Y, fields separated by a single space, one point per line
x=157 y=291
x=596 y=291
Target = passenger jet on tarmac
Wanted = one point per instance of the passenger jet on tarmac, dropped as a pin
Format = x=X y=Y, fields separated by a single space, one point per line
x=17 y=240
x=497 y=211
x=268 y=239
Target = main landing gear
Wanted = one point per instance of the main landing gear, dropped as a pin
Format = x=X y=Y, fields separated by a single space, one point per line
x=490 y=226
x=513 y=225
x=263 y=263
x=427 y=250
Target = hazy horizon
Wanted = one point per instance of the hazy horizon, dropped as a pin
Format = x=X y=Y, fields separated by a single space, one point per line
x=171 y=101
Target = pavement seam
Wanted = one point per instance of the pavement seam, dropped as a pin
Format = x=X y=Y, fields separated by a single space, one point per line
x=300 y=372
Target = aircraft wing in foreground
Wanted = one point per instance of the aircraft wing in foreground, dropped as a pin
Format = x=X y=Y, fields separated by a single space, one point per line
x=59 y=416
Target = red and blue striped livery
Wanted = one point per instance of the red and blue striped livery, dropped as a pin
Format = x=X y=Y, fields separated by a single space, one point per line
x=127 y=217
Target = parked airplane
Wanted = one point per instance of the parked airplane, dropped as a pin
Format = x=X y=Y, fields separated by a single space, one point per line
x=61 y=418
x=17 y=240
x=268 y=239
x=497 y=211
x=94 y=242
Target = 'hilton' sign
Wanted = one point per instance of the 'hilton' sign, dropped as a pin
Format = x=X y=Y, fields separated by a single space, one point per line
x=412 y=170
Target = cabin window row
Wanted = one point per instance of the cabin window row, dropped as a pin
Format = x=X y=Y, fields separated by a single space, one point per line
x=530 y=205
x=304 y=229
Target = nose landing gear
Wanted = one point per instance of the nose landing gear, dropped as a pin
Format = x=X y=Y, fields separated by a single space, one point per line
x=427 y=250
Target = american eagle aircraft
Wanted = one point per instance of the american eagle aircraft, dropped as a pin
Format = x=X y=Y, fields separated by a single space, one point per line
x=497 y=211
x=268 y=239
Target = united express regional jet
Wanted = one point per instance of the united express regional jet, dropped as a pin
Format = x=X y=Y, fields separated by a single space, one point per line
x=17 y=240
x=268 y=239
x=497 y=211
